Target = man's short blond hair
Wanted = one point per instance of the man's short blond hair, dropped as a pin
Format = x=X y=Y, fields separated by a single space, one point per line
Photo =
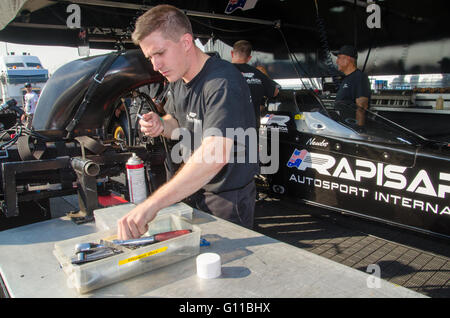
x=243 y=48
x=169 y=20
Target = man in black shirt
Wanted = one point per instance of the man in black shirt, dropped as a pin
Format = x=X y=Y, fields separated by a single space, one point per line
x=207 y=95
x=354 y=91
x=260 y=85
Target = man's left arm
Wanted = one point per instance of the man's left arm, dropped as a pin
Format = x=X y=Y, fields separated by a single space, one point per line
x=362 y=101
x=362 y=104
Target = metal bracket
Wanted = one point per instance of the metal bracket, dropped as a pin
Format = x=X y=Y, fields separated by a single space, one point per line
x=4 y=154
x=86 y=171
x=9 y=170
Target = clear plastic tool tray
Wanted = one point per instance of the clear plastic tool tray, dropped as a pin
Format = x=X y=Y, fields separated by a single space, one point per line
x=96 y=274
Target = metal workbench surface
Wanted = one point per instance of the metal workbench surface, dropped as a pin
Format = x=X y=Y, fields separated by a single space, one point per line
x=253 y=265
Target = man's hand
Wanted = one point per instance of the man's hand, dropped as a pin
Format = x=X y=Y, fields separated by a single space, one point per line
x=151 y=124
x=135 y=223
x=208 y=160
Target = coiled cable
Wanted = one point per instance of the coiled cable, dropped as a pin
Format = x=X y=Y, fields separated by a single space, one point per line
x=323 y=38
x=296 y=62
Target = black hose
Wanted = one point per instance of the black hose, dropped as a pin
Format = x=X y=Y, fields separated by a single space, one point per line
x=19 y=129
x=14 y=139
x=169 y=166
x=127 y=114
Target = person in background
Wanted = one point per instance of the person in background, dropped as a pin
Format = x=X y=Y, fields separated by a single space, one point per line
x=205 y=92
x=261 y=86
x=30 y=102
x=354 y=88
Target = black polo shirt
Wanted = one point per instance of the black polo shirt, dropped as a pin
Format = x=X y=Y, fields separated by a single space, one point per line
x=260 y=86
x=217 y=98
x=353 y=86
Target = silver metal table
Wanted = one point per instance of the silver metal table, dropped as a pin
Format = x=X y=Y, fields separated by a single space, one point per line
x=253 y=266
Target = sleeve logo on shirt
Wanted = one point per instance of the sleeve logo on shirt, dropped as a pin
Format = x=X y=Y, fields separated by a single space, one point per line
x=251 y=79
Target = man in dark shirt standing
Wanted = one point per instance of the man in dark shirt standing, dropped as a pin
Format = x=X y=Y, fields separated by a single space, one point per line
x=260 y=85
x=207 y=93
x=354 y=88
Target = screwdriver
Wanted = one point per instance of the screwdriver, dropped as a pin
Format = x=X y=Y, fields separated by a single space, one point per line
x=151 y=239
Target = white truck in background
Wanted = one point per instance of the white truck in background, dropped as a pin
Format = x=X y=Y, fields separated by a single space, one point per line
x=16 y=70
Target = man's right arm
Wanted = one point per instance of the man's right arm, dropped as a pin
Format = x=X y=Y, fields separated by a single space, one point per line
x=276 y=91
x=204 y=164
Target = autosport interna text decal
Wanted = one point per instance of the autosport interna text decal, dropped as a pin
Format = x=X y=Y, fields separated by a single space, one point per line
x=385 y=175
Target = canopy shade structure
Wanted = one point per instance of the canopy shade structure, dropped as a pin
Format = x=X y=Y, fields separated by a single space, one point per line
x=278 y=27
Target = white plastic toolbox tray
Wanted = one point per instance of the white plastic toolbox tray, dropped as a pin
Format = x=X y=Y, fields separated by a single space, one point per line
x=106 y=218
x=93 y=275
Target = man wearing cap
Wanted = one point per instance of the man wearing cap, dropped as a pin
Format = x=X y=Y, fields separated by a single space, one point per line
x=30 y=101
x=354 y=91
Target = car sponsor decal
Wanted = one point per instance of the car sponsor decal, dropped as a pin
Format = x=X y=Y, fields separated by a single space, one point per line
x=271 y=119
x=313 y=142
x=297 y=158
x=385 y=176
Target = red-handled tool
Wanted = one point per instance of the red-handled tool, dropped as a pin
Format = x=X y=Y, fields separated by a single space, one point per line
x=169 y=235
x=134 y=243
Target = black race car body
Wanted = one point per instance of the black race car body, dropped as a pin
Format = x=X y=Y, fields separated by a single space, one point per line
x=380 y=171
x=83 y=132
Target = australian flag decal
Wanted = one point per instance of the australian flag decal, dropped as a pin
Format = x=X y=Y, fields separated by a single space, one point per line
x=240 y=4
x=297 y=158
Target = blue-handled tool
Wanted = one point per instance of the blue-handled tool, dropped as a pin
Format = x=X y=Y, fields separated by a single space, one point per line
x=204 y=242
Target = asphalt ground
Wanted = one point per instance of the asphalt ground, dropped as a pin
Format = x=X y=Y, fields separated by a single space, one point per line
x=407 y=258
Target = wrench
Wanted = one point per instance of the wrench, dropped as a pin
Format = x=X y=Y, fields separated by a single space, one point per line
x=100 y=253
x=87 y=247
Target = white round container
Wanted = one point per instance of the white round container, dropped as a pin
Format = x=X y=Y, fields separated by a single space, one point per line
x=209 y=265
